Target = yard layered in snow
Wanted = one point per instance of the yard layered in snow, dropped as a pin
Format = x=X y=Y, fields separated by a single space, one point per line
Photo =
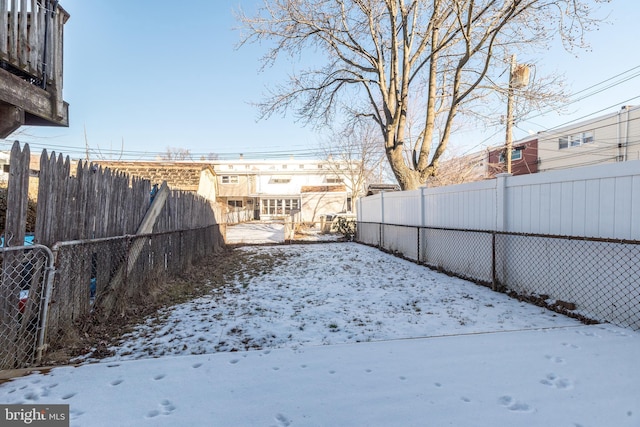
x=331 y=294
x=331 y=335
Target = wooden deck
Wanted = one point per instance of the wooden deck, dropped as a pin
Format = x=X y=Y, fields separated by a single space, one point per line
x=31 y=64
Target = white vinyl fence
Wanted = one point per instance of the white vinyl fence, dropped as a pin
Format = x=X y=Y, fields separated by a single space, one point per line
x=566 y=238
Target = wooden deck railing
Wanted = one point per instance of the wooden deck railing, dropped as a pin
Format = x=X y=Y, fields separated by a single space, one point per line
x=31 y=40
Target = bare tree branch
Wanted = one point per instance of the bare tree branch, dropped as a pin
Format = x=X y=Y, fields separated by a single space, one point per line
x=395 y=60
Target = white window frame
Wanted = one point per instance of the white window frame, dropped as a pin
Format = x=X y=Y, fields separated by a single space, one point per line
x=278 y=207
x=516 y=154
x=230 y=179
x=576 y=139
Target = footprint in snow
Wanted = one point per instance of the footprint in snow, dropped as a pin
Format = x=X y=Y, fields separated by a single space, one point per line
x=282 y=420
x=554 y=359
x=552 y=380
x=588 y=334
x=573 y=346
x=167 y=407
x=159 y=377
x=514 y=405
x=116 y=382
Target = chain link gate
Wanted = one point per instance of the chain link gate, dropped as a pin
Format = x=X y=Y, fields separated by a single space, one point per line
x=26 y=274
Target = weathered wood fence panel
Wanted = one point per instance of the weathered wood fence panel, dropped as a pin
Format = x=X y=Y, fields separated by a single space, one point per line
x=96 y=212
x=16 y=220
x=94 y=203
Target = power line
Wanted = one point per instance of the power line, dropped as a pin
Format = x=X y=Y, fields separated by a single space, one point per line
x=315 y=152
x=574 y=101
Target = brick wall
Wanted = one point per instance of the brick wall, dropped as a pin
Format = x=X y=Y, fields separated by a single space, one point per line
x=180 y=176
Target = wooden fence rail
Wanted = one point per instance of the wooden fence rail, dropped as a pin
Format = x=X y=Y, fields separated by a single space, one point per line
x=97 y=203
x=31 y=37
x=99 y=214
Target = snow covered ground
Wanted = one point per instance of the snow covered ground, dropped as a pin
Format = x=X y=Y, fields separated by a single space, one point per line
x=255 y=233
x=342 y=334
x=330 y=294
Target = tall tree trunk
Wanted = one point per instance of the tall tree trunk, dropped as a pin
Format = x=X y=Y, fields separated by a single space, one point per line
x=408 y=178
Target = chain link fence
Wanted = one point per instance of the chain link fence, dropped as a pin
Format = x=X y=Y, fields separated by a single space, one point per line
x=105 y=275
x=45 y=295
x=25 y=273
x=587 y=278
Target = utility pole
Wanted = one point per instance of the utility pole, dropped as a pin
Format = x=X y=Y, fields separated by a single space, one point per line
x=509 y=132
x=518 y=78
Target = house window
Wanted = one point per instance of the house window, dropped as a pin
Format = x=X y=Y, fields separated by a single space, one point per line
x=279 y=206
x=587 y=137
x=516 y=154
x=333 y=180
x=229 y=179
x=301 y=167
x=280 y=180
x=235 y=203
x=575 y=140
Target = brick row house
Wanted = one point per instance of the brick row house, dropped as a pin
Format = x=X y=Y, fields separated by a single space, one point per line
x=609 y=138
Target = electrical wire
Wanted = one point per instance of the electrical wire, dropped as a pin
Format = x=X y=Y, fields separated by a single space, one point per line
x=312 y=153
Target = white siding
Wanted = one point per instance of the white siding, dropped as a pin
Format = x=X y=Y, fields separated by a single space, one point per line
x=402 y=207
x=601 y=201
x=598 y=201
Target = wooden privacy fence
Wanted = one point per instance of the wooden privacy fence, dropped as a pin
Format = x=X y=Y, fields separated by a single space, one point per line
x=112 y=240
x=97 y=203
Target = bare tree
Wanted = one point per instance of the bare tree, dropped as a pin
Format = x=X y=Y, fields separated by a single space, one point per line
x=456 y=169
x=354 y=154
x=405 y=62
x=176 y=153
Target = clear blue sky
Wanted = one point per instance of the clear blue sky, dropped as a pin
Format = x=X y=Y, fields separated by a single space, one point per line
x=166 y=74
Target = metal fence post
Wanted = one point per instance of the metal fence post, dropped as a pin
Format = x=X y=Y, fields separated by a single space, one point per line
x=418 y=239
x=494 y=280
x=501 y=201
x=50 y=271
